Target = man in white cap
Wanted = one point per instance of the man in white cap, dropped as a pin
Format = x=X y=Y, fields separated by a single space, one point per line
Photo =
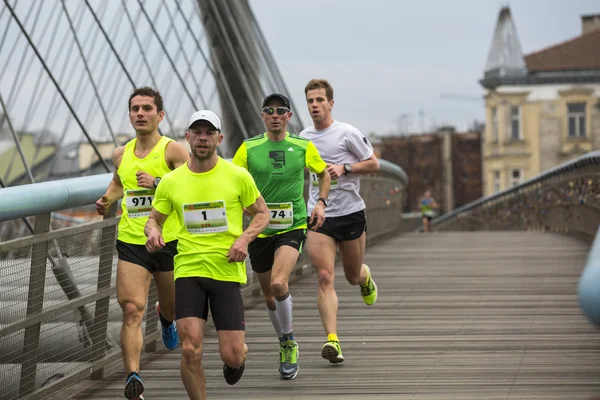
x=208 y=194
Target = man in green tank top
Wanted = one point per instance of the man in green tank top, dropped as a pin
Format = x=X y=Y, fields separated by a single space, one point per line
x=276 y=160
x=139 y=165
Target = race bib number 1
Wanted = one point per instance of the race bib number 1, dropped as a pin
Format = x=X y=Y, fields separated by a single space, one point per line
x=314 y=180
x=205 y=217
x=282 y=215
x=139 y=202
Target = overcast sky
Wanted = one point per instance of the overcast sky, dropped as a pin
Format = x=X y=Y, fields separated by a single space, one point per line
x=386 y=58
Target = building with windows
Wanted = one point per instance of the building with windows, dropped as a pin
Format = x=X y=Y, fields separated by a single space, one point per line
x=543 y=108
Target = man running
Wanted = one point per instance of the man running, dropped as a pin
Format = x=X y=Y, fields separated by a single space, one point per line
x=276 y=160
x=429 y=209
x=139 y=167
x=347 y=153
x=208 y=194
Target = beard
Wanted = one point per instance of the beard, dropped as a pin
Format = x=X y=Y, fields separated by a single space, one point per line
x=202 y=157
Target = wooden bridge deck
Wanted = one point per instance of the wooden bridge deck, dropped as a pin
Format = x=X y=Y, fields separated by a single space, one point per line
x=474 y=315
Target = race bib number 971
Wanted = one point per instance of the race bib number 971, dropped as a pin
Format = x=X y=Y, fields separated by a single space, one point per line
x=139 y=202
x=202 y=218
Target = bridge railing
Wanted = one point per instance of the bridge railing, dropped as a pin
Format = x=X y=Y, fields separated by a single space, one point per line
x=59 y=318
x=564 y=199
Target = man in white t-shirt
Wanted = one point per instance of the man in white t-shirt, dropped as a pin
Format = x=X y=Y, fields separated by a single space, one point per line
x=347 y=153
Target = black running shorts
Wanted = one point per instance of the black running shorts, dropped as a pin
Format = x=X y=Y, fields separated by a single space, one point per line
x=262 y=250
x=194 y=295
x=159 y=261
x=345 y=227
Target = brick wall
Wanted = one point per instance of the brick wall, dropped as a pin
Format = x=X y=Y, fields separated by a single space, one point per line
x=421 y=158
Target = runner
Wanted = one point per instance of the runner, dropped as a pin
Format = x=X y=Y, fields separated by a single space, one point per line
x=208 y=194
x=348 y=154
x=276 y=160
x=429 y=209
x=139 y=166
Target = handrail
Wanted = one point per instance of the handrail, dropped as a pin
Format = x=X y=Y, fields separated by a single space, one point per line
x=588 y=289
x=584 y=160
x=44 y=197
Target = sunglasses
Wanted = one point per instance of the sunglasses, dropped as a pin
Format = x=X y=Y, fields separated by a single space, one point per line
x=272 y=110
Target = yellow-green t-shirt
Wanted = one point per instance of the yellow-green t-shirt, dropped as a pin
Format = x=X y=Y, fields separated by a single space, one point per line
x=137 y=201
x=209 y=207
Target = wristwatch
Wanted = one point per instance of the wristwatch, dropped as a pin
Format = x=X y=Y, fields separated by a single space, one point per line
x=324 y=200
x=156 y=182
x=347 y=169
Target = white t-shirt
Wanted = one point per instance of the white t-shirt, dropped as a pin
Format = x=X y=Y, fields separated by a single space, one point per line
x=340 y=143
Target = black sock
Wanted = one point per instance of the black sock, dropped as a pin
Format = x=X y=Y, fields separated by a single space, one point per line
x=288 y=336
x=164 y=321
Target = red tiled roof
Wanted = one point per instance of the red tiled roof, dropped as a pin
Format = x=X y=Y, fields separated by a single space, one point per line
x=580 y=53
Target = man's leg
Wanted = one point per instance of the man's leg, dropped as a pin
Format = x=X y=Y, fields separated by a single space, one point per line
x=352 y=250
x=286 y=258
x=233 y=352
x=191 y=309
x=133 y=282
x=165 y=287
x=261 y=257
x=227 y=309
x=191 y=330
x=353 y=254
x=321 y=252
x=425 y=224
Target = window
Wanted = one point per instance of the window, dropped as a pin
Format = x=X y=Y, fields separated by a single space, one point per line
x=576 y=115
x=516 y=177
x=515 y=123
x=494 y=124
x=496 y=181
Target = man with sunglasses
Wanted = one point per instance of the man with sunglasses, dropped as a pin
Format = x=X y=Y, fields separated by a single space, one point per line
x=276 y=160
x=348 y=153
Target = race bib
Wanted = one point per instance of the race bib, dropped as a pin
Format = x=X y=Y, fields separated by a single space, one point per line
x=202 y=218
x=314 y=179
x=282 y=215
x=139 y=202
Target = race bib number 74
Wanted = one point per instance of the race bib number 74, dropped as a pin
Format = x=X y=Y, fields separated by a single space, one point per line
x=202 y=218
x=282 y=215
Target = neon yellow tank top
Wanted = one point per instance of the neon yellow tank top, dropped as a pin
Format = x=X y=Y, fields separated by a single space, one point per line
x=137 y=201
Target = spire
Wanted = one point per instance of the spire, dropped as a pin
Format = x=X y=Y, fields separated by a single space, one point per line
x=505 y=58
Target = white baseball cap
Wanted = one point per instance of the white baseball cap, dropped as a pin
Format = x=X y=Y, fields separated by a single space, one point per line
x=206 y=115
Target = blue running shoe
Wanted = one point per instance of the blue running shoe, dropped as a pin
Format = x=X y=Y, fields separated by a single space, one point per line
x=134 y=387
x=170 y=337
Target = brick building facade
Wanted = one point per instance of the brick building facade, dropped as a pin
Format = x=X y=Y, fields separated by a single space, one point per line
x=446 y=162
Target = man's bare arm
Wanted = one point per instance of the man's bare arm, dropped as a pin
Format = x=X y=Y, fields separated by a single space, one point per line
x=176 y=155
x=153 y=230
x=324 y=183
x=260 y=219
x=114 y=191
x=367 y=166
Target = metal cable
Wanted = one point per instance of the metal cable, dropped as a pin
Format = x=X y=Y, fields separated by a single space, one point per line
x=87 y=68
x=57 y=85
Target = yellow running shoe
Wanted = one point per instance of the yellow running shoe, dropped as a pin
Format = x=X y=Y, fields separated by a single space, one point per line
x=369 y=291
x=332 y=351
